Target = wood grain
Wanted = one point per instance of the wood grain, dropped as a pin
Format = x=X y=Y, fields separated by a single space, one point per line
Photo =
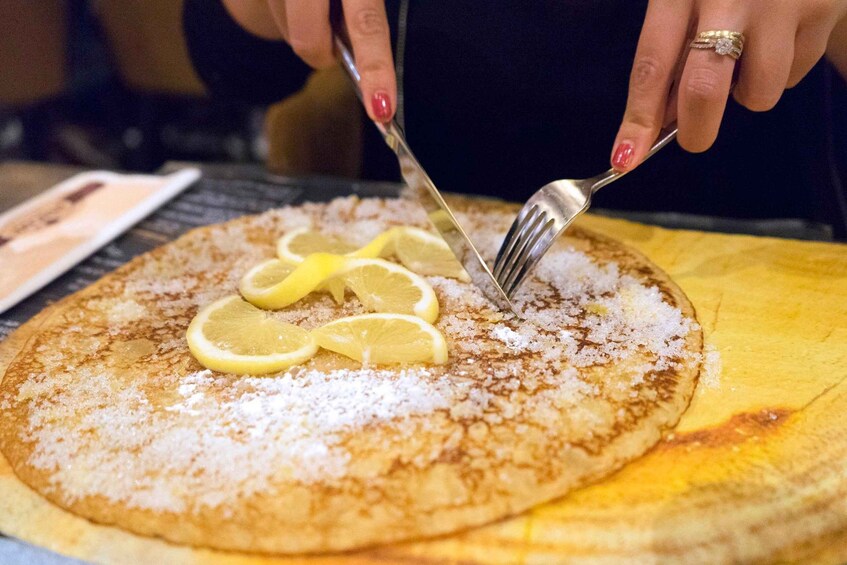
x=756 y=470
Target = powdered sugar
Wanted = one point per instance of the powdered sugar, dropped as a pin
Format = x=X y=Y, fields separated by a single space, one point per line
x=150 y=458
x=513 y=340
x=710 y=376
x=126 y=311
x=203 y=439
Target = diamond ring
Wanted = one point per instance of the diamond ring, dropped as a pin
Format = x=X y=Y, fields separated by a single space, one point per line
x=722 y=41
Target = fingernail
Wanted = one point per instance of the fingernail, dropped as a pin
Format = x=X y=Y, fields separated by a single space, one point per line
x=381 y=105
x=623 y=155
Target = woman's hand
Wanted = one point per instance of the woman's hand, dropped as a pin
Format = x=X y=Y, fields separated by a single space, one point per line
x=784 y=40
x=305 y=25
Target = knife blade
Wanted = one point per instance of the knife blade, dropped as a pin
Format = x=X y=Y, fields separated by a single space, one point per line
x=423 y=190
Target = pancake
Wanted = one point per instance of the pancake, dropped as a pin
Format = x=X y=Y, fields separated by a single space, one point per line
x=105 y=413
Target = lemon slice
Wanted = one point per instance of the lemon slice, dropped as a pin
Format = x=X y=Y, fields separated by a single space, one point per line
x=310 y=275
x=383 y=339
x=380 y=246
x=258 y=280
x=426 y=254
x=383 y=286
x=418 y=250
x=233 y=336
x=296 y=245
x=380 y=285
x=336 y=288
x=265 y=275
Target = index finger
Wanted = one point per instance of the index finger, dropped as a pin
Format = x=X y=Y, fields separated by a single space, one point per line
x=367 y=26
x=660 y=48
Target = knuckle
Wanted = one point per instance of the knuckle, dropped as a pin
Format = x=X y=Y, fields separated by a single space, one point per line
x=758 y=100
x=819 y=10
x=310 y=51
x=374 y=69
x=369 y=22
x=694 y=138
x=802 y=67
x=703 y=85
x=648 y=73
x=642 y=119
x=694 y=145
x=304 y=48
x=793 y=81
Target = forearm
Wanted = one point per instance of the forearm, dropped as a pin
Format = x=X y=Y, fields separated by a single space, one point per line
x=836 y=50
x=254 y=16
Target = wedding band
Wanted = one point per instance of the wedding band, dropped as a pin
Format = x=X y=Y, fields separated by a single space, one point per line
x=724 y=42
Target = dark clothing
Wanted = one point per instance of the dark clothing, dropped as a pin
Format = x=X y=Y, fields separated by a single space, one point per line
x=502 y=97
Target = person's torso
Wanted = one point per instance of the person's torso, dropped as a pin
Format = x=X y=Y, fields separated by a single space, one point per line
x=502 y=97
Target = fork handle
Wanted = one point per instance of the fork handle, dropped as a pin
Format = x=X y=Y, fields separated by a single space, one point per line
x=667 y=135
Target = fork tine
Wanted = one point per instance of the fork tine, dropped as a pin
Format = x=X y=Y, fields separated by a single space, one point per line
x=531 y=240
x=548 y=213
x=538 y=250
x=513 y=239
x=526 y=214
x=506 y=248
x=522 y=239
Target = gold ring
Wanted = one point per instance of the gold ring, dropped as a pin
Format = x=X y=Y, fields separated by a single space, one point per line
x=724 y=42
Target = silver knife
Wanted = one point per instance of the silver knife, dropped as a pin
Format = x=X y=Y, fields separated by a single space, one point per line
x=423 y=190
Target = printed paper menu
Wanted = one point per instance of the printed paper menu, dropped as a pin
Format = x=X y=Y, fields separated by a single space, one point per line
x=47 y=235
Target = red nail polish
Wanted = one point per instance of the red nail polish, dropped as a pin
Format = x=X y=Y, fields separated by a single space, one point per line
x=381 y=106
x=623 y=156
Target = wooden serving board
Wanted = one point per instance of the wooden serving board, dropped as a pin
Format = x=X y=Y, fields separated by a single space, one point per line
x=755 y=471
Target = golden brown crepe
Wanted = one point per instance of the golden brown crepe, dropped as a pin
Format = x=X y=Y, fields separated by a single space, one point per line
x=105 y=413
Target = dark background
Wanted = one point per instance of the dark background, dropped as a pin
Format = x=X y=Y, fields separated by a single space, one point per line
x=107 y=84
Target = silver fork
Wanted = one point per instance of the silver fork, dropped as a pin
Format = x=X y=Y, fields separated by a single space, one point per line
x=546 y=215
